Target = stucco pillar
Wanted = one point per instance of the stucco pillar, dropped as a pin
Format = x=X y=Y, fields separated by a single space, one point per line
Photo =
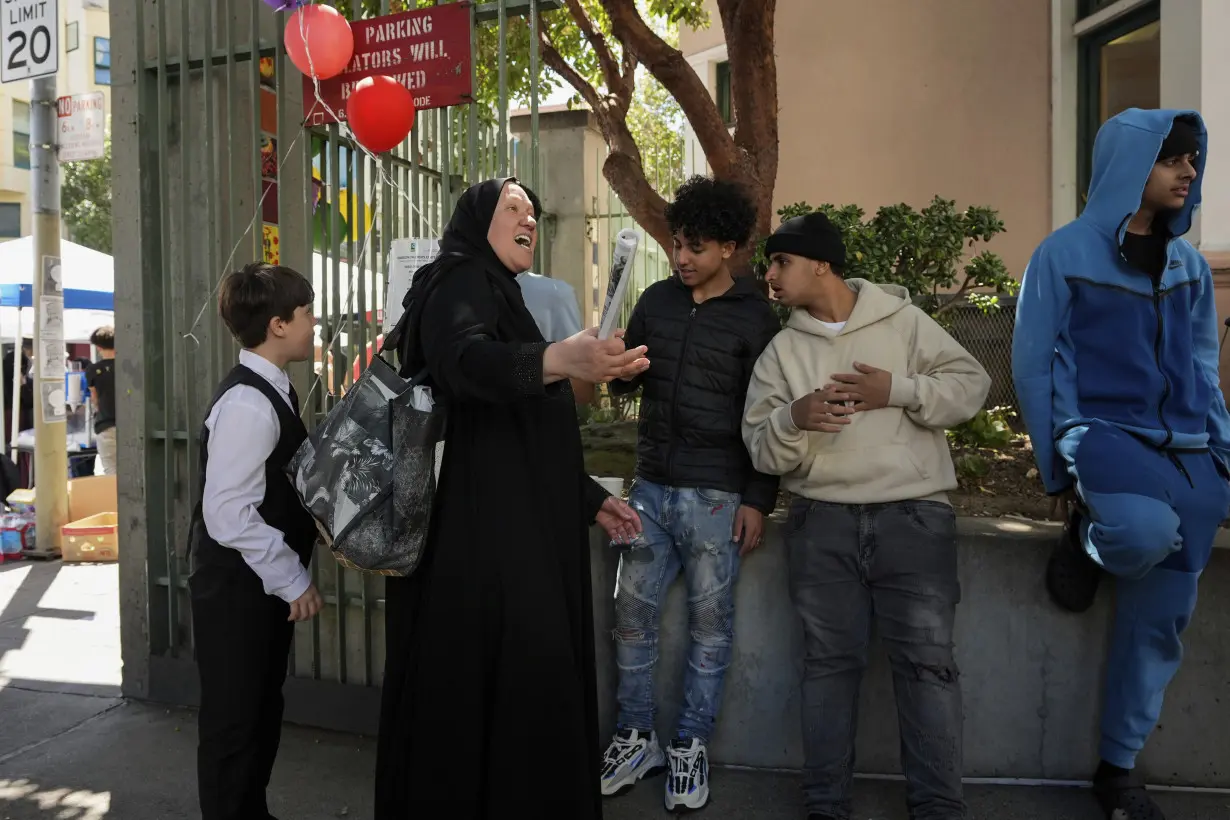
x=1195 y=68
x=1064 y=112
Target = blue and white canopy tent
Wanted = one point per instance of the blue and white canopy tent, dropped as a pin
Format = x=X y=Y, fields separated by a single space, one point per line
x=87 y=280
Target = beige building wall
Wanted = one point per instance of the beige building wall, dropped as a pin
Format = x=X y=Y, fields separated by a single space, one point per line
x=76 y=76
x=886 y=101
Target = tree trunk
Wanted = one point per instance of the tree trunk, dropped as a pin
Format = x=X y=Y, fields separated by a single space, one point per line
x=624 y=170
x=626 y=176
x=748 y=26
x=749 y=157
x=669 y=66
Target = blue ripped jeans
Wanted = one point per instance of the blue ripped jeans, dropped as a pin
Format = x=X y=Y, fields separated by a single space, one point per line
x=692 y=530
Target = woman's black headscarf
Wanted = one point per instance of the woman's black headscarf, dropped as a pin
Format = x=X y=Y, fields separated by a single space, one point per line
x=464 y=242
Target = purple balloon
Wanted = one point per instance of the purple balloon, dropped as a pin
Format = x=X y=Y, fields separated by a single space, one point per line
x=285 y=5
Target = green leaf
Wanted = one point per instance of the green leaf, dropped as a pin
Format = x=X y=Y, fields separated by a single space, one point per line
x=85 y=201
x=922 y=250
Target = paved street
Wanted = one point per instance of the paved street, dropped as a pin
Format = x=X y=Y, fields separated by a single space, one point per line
x=70 y=749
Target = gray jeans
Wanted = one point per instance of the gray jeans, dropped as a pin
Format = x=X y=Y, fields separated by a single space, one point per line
x=105 y=442
x=898 y=563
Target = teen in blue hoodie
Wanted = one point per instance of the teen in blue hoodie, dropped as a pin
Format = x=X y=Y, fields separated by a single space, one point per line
x=1115 y=359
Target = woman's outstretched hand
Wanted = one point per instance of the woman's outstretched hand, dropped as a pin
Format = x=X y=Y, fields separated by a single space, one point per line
x=619 y=520
x=587 y=358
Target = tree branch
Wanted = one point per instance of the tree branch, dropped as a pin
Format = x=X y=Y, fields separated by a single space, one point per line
x=668 y=65
x=556 y=62
x=954 y=298
x=748 y=28
x=629 y=63
x=597 y=41
x=624 y=167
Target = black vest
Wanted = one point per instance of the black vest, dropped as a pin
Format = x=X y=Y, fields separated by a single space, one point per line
x=281 y=508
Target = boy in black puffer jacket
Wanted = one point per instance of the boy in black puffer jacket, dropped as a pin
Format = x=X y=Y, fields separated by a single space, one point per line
x=701 y=504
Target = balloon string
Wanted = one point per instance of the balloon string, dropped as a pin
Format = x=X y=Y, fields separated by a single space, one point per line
x=381 y=178
x=320 y=101
x=260 y=205
x=350 y=289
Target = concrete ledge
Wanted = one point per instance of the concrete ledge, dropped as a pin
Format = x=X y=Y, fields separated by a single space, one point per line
x=1219 y=261
x=1031 y=674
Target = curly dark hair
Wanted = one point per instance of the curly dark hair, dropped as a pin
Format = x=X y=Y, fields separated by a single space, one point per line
x=707 y=208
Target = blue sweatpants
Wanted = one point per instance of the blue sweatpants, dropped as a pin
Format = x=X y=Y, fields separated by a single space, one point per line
x=1152 y=518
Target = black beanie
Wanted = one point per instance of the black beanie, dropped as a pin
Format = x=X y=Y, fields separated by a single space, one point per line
x=811 y=236
x=1182 y=139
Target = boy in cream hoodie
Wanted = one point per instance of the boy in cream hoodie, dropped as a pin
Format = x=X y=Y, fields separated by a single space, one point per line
x=849 y=405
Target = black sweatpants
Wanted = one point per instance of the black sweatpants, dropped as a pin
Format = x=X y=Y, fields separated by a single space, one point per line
x=242 y=639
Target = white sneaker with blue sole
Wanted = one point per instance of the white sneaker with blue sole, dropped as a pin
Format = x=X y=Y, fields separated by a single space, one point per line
x=687 y=777
x=632 y=755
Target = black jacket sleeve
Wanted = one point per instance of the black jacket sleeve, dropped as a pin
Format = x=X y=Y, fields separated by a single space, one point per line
x=594 y=497
x=760 y=493
x=634 y=336
x=464 y=357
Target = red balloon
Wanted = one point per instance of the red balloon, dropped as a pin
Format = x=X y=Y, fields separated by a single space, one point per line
x=322 y=32
x=380 y=113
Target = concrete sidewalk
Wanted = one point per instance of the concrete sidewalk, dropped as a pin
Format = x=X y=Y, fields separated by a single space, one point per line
x=71 y=749
x=103 y=760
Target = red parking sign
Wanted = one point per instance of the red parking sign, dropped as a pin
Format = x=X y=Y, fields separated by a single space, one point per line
x=427 y=51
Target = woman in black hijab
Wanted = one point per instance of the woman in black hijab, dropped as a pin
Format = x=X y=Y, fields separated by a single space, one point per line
x=490 y=704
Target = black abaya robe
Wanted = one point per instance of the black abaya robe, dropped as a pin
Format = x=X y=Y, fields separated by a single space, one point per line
x=490 y=699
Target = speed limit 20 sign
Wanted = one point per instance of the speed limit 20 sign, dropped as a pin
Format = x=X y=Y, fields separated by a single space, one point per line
x=29 y=39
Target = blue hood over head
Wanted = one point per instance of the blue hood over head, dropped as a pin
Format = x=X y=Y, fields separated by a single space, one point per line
x=1124 y=153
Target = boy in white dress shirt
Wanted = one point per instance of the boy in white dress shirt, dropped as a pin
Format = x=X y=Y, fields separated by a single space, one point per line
x=251 y=542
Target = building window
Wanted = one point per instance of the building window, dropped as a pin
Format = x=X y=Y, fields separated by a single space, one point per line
x=1119 y=68
x=10 y=220
x=725 y=103
x=72 y=37
x=21 y=134
x=1088 y=7
x=102 y=61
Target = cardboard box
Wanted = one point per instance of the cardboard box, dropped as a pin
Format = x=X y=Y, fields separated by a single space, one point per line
x=90 y=495
x=94 y=538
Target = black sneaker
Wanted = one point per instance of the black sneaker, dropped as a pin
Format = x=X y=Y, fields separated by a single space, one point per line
x=1072 y=577
x=1123 y=797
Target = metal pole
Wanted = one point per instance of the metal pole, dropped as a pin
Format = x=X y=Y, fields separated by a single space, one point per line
x=503 y=87
x=472 y=127
x=50 y=431
x=15 y=398
x=535 y=173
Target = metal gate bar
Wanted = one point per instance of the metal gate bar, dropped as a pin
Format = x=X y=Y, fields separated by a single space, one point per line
x=196 y=148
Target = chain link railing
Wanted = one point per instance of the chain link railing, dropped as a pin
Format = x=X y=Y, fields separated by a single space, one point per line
x=987 y=335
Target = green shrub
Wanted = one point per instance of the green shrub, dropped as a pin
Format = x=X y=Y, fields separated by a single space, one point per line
x=971 y=465
x=922 y=251
x=988 y=429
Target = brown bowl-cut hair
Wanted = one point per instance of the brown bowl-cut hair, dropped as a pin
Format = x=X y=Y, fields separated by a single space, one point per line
x=253 y=296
